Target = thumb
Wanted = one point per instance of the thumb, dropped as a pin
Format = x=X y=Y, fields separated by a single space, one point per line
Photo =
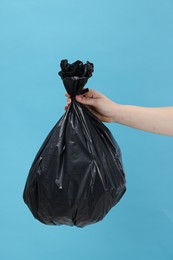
x=85 y=100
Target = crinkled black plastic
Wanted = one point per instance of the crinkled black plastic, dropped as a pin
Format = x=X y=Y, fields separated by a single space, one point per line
x=77 y=175
x=76 y=69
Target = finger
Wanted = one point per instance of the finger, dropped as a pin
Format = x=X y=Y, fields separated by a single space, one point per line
x=93 y=94
x=67 y=95
x=88 y=94
x=66 y=107
x=68 y=101
x=85 y=100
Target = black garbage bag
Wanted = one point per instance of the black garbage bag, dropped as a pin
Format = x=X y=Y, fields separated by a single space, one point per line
x=77 y=175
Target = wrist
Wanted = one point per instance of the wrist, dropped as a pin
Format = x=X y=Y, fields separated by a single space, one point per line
x=118 y=111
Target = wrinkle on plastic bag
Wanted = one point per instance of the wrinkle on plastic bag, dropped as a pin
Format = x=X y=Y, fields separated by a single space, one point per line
x=77 y=175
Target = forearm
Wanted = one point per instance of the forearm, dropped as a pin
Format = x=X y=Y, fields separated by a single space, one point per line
x=155 y=120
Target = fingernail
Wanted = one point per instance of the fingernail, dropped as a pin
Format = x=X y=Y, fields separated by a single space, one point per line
x=78 y=97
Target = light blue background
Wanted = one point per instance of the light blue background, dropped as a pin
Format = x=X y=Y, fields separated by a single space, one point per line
x=130 y=44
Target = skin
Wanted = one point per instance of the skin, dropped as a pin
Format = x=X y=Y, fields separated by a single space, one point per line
x=158 y=120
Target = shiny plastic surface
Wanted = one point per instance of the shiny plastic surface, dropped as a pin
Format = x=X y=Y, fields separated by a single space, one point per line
x=77 y=175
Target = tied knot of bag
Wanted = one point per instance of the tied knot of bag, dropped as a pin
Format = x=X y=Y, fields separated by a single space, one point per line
x=75 y=76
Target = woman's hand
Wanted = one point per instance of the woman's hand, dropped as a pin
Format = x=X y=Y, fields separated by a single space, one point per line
x=157 y=120
x=102 y=107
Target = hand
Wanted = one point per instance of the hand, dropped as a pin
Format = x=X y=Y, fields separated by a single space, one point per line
x=157 y=120
x=102 y=107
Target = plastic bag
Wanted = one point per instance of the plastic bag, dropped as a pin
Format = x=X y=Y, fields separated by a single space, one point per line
x=77 y=175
